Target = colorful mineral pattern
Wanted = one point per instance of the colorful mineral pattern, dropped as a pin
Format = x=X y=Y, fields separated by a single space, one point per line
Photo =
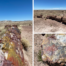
x=54 y=48
x=11 y=49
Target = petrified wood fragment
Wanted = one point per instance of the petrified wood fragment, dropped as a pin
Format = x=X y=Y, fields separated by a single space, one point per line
x=64 y=19
x=51 y=17
x=54 y=49
x=58 y=18
x=40 y=16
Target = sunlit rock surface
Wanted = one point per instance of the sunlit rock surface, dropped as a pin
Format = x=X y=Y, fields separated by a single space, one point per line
x=11 y=49
x=54 y=48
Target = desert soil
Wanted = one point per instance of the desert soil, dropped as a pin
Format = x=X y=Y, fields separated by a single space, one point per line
x=27 y=34
x=41 y=25
x=38 y=38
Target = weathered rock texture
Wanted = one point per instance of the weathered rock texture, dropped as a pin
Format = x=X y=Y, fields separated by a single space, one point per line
x=58 y=18
x=12 y=47
x=54 y=49
x=51 y=17
x=64 y=19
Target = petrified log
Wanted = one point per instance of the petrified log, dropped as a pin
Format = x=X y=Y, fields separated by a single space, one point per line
x=64 y=19
x=53 y=49
x=58 y=18
x=14 y=25
x=51 y=17
x=7 y=26
x=48 y=17
x=40 y=16
x=13 y=47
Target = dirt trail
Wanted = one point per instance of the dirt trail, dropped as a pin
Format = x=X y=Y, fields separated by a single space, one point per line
x=27 y=34
x=48 y=25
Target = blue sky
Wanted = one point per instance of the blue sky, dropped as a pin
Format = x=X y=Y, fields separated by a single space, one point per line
x=50 y=4
x=15 y=10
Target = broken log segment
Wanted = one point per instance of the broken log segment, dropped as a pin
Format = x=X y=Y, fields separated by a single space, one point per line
x=40 y=16
x=58 y=18
x=64 y=19
x=51 y=17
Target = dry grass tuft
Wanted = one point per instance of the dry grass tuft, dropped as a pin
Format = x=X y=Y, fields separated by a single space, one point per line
x=25 y=43
x=39 y=56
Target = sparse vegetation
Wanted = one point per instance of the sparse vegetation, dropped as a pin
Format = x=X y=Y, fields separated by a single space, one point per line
x=52 y=21
x=45 y=19
x=51 y=25
x=26 y=23
x=2 y=32
x=39 y=56
x=25 y=44
x=48 y=35
x=49 y=12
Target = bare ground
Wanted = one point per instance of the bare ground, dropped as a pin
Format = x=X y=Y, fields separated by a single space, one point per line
x=27 y=34
x=41 y=25
x=49 y=12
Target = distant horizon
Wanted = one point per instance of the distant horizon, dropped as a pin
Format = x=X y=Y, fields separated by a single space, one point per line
x=12 y=20
x=49 y=4
x=48 y=9
x=51 y=9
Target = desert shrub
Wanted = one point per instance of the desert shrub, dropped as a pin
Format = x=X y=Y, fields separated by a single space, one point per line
x=39 y=56
x=29 y=24
x=41 y=14
x=20 y=27
x=25 y=43
x=45 y=19
x=51 y=25
x=47 y=35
